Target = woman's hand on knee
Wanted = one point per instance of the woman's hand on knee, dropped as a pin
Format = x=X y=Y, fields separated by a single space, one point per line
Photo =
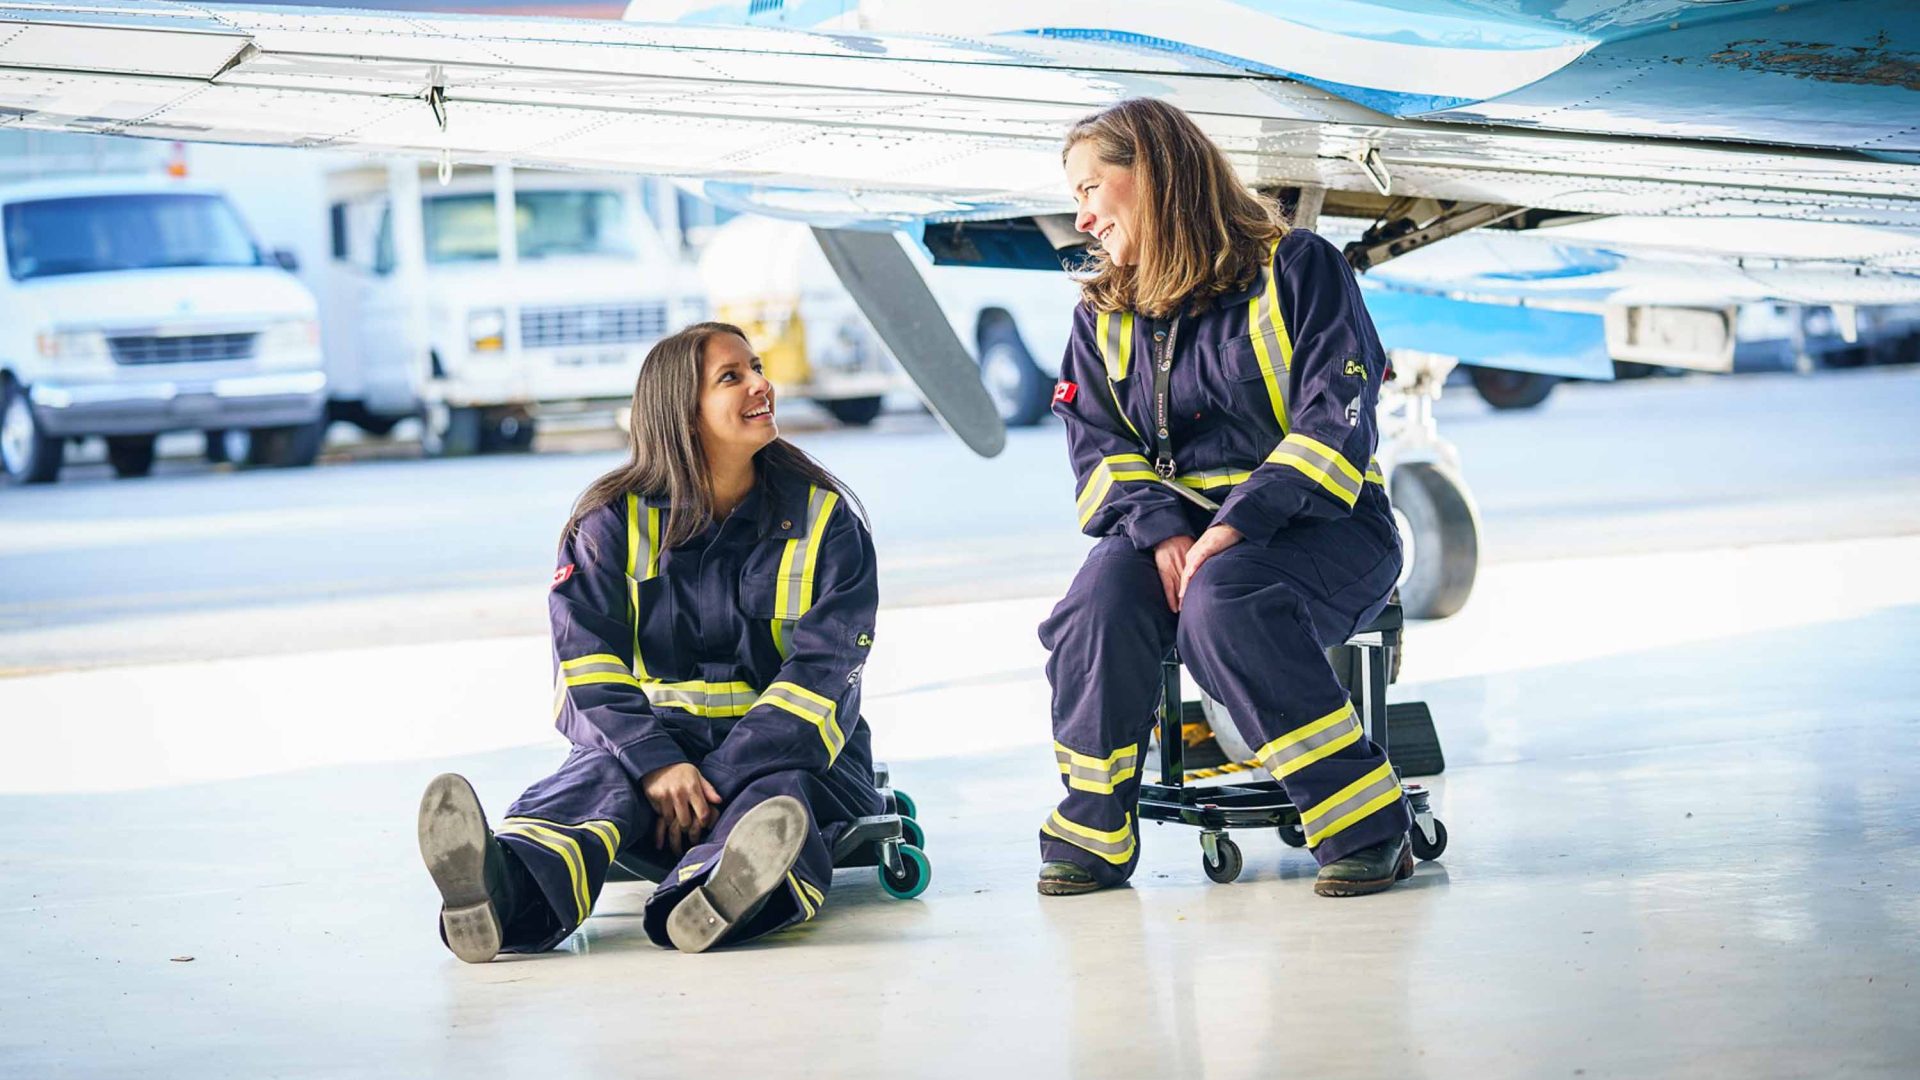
x=1170 y=558
x=683 y=804
x=1215 y=540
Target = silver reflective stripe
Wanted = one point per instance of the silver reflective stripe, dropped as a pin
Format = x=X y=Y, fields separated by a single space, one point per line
x=795 y=579
x=702 y=699
x=1321 y=467
x=573 y=671
x=1113 y=356
x=1326 y=817
x=1116 y=847
x=1212 y=478
x=1290 y=754
x=791 y=698
x=1097 y=775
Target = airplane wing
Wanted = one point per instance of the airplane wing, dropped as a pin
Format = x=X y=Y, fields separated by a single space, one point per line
x=838 y=128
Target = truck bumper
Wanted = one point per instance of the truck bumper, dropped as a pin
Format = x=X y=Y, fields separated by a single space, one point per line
x=275 y=399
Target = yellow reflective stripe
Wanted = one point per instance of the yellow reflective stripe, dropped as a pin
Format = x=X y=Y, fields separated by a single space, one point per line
x=806 y=905
x=595 y=678
x=818 y=896
x=1271 y=345
x=1374 y=475
x=1309 y=743
x=638 y=571
x=606 y=831
x=1105 y=474
x=688 y=871
x=793 y=586
x=595 y=658
x=700 y=698
x=1113 y=336
x=1316 y=461
x=1116 y=847
x=562 y=845
x=1097 y=775
x=1333 y=814
x=1213 y=478
x=811 y=707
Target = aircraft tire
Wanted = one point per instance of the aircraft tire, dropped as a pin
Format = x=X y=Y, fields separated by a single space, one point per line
x=1441 y=533
x=1506 y=390
x=855 y=412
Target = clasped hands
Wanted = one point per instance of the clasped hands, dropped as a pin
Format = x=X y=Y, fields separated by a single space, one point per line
x=684 y=805
x=1178 y=558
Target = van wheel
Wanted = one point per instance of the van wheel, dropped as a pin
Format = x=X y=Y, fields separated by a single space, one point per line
x=508 y=431
x=855 y=411
x=27 y=455
x=1019 y=392
x=292 y=447
x=451 y=432
x=130 y=455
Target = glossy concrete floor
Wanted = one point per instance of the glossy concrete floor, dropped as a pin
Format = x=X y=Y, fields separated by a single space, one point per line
x=1685 y=842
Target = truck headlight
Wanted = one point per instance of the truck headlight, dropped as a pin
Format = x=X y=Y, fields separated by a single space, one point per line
x=74 y=345
x=289 y=342
x=486 y=330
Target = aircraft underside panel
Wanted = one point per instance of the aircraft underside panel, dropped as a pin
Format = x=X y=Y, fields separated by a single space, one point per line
x=836 y=128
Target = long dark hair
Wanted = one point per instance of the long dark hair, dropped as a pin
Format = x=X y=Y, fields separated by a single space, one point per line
x=1200 y=231
x=665 y=456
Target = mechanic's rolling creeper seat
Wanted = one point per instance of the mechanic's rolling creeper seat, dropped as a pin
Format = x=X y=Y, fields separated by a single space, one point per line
x=1263 y=804
x=892 y=841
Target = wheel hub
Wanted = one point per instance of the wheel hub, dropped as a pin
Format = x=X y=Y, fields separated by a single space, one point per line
x=16 y=434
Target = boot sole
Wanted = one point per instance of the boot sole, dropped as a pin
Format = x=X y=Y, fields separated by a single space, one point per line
x=752 y=863
x=453 y=843
x=1365 y=888
x=1066 y=888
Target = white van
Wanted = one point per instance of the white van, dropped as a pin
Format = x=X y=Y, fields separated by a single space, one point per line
x=141 y=305
x=771 y=277
x=438 y=304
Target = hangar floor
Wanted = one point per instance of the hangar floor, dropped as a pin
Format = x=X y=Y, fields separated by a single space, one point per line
x=1691 y=855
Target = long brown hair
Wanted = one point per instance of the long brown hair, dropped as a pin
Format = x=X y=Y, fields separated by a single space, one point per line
x=1199 y=231
x=665 y=456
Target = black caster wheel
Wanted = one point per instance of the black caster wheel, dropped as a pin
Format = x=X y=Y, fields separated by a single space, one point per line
x=1425 y=851
x=916 y=872
x=903 y=805
x=914 y=832
x=1227 y=866
x=1293 y=836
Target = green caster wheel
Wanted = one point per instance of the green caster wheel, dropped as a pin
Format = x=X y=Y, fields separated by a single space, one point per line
x=903 y=805
x=915 y=833
x=915 y=874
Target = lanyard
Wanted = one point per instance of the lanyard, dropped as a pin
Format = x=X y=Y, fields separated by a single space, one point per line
x=1163 y=463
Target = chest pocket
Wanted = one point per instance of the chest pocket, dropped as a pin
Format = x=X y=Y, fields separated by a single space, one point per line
x=788 y=593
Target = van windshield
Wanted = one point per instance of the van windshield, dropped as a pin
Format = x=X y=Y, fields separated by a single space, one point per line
x=460 y=228
x=98 y=233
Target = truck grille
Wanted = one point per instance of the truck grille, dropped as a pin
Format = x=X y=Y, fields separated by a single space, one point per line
x=591 y=324
x=181 y=349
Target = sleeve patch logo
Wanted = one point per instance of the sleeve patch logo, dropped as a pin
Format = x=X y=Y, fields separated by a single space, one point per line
x=1064 y=392
x=560 y=576
x=1355 y=369
x=864 y=641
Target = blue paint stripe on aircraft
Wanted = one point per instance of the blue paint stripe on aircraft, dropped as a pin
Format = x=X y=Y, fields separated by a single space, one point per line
x=1390 y=102
x=1569 y=344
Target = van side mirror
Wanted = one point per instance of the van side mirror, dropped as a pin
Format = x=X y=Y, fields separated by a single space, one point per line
x=288 y=260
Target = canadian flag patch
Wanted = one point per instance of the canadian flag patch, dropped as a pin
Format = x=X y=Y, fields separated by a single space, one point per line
x=1064 y=392
x=561 y=575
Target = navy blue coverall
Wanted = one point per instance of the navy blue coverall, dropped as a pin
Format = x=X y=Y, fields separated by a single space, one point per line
x=739 y=651
x=1271 y=399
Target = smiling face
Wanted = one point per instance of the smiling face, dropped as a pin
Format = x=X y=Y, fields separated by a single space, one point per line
x=1106 y=196
x=736 y=400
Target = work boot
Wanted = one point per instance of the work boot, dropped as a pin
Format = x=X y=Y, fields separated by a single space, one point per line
x=1064 y=879
x=467 y=865
x=1370 y=870
x=752 y=863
